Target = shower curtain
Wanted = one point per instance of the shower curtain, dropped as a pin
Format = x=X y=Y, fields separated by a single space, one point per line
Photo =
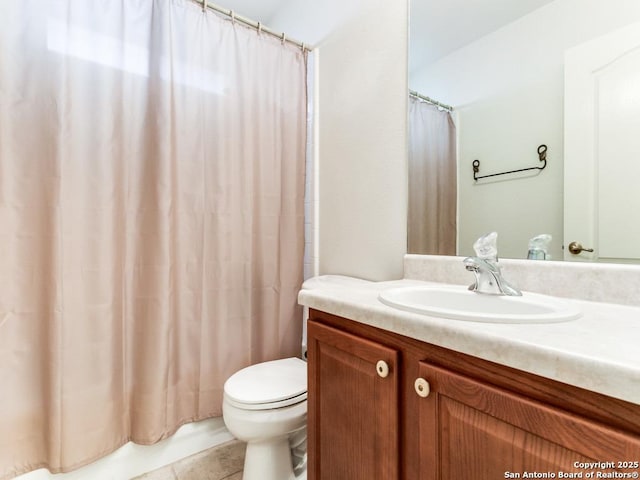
x=151 y=219
x=432 y=215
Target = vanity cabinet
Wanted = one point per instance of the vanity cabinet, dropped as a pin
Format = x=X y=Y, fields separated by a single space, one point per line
x=469 y=428
x=353 y=408
x=441 y=415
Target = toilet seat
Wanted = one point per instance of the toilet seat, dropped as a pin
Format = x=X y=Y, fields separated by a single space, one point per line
x=267 y=406
x=267 y=385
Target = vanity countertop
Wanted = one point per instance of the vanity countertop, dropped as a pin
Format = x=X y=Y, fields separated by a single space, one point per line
x=600 y=351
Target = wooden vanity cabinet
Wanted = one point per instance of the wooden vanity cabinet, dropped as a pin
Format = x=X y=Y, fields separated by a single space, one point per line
x=353 y=408
x=443 y=415
x=473 y=430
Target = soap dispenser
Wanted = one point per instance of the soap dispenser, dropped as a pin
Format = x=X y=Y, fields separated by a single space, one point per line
x=539 y=247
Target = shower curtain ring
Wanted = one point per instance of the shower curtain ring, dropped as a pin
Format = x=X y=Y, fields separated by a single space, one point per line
x=205 y=4
x=283 y=38
x=259 y=28
x=233 y=16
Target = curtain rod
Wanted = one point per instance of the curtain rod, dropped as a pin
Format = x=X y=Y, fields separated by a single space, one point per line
x=424 y=98
x=251 y=23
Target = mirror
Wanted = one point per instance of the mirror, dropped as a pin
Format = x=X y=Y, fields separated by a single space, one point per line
x=501 y=65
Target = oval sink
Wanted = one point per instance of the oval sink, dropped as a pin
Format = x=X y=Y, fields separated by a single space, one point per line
x=462 y=304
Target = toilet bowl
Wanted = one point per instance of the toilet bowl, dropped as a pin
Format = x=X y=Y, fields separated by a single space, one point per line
x=265 y=405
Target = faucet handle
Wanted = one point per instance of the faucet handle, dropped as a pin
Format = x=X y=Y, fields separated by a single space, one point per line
x=486 y=247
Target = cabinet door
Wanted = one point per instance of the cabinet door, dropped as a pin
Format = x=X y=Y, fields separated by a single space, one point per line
x=473 y=430
x=353 y=407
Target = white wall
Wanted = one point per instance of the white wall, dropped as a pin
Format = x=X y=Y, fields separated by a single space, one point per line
x=362 y=144
x=360 y=121
x=508 y=88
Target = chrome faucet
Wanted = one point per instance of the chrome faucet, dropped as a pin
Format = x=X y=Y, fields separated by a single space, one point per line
x=489 y=279
x=485 y=267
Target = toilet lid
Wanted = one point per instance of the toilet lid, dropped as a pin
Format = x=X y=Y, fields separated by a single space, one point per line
x=268 y=382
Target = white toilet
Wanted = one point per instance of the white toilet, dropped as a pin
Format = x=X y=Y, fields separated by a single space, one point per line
x=265 y=405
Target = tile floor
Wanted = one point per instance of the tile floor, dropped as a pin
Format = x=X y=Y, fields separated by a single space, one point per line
x=223 y=462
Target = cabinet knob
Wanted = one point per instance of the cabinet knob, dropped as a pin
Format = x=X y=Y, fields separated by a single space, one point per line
x=382 y=368
x=422 y=387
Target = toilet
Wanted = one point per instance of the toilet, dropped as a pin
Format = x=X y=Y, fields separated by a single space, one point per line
x=265 y=405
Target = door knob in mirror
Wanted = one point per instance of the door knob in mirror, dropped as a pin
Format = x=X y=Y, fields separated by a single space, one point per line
x=577 y=248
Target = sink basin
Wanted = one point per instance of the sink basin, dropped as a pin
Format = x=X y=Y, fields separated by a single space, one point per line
x=459 y=303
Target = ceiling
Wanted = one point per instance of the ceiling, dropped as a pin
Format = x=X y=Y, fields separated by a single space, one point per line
x=437 y=27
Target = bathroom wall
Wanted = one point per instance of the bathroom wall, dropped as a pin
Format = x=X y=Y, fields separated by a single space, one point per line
x=507 y=88
x=362 y=144
x=360 y=120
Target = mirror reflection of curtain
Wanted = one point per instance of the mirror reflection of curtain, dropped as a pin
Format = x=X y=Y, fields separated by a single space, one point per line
x=432 y=180
x=151 y=220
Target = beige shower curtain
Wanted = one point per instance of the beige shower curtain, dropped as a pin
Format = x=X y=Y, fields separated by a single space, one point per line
x=432 y=180
x=151 y=219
